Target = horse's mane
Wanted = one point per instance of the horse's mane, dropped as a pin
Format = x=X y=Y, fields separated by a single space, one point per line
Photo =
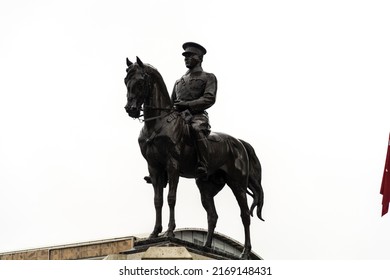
x=158 y=78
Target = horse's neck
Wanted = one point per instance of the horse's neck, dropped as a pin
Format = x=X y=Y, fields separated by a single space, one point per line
x=158 y=103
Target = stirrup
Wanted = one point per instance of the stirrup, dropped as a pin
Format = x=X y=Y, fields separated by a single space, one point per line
x=148 y=179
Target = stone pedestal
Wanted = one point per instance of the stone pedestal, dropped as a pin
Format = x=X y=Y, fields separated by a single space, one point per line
x=167 y=253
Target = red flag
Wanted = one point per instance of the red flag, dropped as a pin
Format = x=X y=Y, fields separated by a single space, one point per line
x=385 y=188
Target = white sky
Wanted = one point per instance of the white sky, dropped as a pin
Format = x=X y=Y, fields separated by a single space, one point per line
x=305 y=82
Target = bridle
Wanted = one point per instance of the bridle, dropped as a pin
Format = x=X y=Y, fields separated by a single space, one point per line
x=146 y=77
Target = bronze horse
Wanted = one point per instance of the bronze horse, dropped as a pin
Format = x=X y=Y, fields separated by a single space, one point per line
x=169 y=151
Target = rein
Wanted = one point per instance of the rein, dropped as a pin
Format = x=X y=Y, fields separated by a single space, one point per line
x=169 y=110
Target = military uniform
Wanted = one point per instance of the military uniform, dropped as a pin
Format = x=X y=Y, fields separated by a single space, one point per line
x=197 y=90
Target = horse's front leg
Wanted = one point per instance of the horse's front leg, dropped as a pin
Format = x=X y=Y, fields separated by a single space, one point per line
x=173 y=175
x=159 y=180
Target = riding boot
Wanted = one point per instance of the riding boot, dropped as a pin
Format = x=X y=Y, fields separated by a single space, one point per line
x=202 y=152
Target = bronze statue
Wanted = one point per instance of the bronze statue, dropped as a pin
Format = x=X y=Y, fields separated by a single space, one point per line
x=166 y=144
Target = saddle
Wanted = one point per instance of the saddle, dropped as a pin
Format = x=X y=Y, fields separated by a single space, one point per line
x=187 y=116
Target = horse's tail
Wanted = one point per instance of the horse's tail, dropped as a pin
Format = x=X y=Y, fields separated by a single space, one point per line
x=254 y=182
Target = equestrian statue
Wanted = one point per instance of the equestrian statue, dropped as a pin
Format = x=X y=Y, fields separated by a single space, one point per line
x=176 y=141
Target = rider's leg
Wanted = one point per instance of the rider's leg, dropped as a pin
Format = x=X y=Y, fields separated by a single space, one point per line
x=202 y=151
x=200 y=130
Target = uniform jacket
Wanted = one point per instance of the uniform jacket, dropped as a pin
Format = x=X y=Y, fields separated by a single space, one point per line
x=197 y=88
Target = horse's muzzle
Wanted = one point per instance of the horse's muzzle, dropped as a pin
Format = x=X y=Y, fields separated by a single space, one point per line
x=132 y=111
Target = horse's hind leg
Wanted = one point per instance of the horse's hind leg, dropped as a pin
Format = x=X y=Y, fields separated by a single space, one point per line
x=241 y=198
x=207 y=192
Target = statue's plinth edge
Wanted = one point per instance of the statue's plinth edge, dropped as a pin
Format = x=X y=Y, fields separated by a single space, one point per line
x=164 y=247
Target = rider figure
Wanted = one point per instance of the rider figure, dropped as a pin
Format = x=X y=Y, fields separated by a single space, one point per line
x=196 y=91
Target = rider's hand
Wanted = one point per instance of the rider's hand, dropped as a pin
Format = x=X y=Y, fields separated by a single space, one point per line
x=181 y=105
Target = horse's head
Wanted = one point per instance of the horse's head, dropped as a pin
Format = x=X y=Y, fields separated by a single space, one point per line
x=138 y=87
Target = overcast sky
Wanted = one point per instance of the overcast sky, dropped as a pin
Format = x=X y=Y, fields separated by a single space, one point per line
x=305 y=82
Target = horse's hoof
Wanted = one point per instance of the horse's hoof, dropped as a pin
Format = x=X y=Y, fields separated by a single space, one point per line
x=244 y=256
x=169 y=234
x=155 y=233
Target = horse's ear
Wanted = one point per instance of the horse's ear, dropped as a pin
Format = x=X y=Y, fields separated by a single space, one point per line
x=128 y=62
x=140 y=63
